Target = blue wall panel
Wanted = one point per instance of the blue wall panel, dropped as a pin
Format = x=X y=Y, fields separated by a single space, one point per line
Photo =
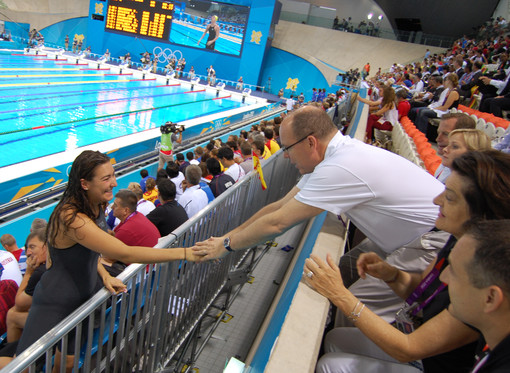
x=56 y=33
x=281 y=66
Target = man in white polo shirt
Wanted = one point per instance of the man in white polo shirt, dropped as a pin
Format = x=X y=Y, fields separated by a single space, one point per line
x=387 y=197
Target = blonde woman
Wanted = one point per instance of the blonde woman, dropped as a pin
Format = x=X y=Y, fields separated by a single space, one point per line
x=462 y=141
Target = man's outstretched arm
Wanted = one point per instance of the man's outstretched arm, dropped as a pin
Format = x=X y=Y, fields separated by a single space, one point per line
x=269 y=222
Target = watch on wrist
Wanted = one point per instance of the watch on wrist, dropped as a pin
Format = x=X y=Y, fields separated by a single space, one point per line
x=226 y=243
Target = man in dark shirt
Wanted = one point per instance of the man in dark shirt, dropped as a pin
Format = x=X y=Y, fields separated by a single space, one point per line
x=479 y=288
x=169 y=215
x=220 y=181
x=179 y=159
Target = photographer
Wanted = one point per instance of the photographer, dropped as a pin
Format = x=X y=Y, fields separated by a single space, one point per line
x=170 y=134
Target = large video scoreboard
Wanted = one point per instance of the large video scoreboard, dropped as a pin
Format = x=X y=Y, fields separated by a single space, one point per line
x=145 y=18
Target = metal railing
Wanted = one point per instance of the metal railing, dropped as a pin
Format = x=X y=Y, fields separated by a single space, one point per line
x=142 y=330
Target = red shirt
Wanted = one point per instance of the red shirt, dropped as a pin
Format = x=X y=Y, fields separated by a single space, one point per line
x=403 y=108
x=137 y=231
x=17 y=254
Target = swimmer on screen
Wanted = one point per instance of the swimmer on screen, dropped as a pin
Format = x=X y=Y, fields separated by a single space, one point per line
x=214 y=33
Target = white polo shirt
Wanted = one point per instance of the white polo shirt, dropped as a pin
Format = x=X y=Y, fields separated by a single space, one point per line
x=9 y=267
x=178 y=184
x=193 y=200
x=143 y=207
x=386 y=196
x=235 y=172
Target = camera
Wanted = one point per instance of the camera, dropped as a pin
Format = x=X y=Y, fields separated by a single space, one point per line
x=171 y=127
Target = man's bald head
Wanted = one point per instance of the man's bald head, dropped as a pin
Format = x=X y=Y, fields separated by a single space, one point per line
x=308 y=120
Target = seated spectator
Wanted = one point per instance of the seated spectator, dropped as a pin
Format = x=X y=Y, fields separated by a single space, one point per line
x=259 y=149
x=9 y=268
x=491 y=87
x=226 y=157
x=36 y=267
x=246 y=153
x=448 y=123
x=134 y=228
x=457 y=67
x=151 y=193
x=160 y=175
x=449 y=99
x=407 y=81
x=193 y=199
x=235 y=148
x=257 y=135
x=199 y=151
x=169 y=215
x=10 y=279
x=403 y=106
x=471 y=80
x=205 y=180
x=385 y=118
x=179 y=159
x=9 y=244
x=243 y=135
x=433 y=94
x=176 y=176
x=190 y=156
x=142 y=206
x=145 y=175
x=461 y=141
x=271 y=144
x=38 y=223
x=220 y=181
x=208 y=148
x=276 y=131
x=477 y=188
x=504 y=145
x=478 y=285
x=418 y=85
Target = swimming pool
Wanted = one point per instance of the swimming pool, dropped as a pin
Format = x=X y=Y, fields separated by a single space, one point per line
x=49 y=106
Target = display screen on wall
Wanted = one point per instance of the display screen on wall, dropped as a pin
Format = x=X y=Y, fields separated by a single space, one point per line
x=145 y=18
x=208 y=25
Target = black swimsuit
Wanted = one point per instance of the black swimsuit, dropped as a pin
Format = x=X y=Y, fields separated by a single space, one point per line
x=71 y=281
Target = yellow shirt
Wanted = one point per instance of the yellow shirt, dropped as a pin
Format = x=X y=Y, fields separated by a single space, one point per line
x=267 y=153
x=273 y=146
x=151 y=196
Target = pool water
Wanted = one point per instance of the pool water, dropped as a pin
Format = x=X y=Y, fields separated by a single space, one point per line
x=49 y=106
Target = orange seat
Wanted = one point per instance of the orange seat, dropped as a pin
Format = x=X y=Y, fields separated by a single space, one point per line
x=432 y=165
x=425 y=151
